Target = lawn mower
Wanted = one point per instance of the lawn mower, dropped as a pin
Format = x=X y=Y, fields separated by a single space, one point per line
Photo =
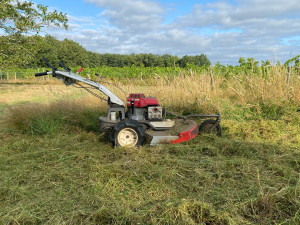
x=144 y=121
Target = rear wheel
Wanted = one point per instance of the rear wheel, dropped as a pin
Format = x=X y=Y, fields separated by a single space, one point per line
x=127 y=137
x=128 y=133
x=210 y=126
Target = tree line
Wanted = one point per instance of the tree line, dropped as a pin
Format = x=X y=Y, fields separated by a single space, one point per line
x=19 y=51
x=22 y=47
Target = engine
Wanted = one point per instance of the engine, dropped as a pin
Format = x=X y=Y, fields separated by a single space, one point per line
x=143 y=108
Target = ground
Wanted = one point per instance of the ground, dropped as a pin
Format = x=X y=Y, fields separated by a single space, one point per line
x=57 y=168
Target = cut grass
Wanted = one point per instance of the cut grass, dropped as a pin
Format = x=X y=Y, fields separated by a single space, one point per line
x=77 y=178
x=16 y=93
x=56 y=168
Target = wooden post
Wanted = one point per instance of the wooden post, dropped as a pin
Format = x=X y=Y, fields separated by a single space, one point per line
x=7 y=75
x=288 y=75
x=212 y=82
x=89 y=74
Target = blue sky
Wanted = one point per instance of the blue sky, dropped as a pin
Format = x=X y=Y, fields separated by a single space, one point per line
x=223 y=30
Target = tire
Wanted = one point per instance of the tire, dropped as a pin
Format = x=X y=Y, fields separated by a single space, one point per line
x=208 y=127
x=127 y=133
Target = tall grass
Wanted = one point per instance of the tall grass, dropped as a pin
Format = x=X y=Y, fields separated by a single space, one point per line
x=39 y=119
x=192 y=92
x=261 y=102
x=57 y=169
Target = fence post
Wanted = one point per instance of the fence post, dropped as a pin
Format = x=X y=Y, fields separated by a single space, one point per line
x=89 y=74
x=288 y=75
x=212 y=82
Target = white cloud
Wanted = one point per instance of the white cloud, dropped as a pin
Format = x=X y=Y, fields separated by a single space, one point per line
x=222 y=31
x=263 y=23
x=132 y=15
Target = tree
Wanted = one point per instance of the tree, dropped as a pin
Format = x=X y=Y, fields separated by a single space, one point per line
x=19 y=17
x=24 y=16
x=73 y=54
x=169 y=60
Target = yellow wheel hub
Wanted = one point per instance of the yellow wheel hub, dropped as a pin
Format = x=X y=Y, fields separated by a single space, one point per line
x=127 y=137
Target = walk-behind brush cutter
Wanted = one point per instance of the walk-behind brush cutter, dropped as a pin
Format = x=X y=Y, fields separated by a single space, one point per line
x=145 y=120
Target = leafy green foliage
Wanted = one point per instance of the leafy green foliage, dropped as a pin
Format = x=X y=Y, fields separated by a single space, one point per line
x=294 y=59
x=31 y=49
x=198 y=60
x=23 y=17
x=17 y=51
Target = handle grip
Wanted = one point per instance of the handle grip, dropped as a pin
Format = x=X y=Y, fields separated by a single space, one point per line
x=81 y=68
x=41 y=74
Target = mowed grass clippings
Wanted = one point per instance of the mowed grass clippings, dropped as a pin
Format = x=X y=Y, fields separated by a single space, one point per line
x=56 y=168
x=77 y=178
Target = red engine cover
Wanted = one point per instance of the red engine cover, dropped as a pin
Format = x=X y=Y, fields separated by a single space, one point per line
x=141 y=101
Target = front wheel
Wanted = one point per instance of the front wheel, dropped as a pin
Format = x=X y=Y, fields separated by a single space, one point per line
x=210 y=126
x=128 y=133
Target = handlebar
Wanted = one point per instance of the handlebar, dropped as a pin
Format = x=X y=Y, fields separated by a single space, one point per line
x=41 y=74
x=81 y=68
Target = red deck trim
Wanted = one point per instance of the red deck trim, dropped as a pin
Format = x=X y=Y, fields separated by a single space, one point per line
x=187 y=135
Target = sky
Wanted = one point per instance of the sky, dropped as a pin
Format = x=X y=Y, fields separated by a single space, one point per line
x=222 y=30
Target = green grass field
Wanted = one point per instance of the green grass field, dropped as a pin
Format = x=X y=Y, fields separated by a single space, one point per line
x=56 y=168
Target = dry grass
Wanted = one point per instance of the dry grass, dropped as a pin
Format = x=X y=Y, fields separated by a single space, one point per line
x=14 y=93
x=184 y=91
x=199 y=93
x=57 y=169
